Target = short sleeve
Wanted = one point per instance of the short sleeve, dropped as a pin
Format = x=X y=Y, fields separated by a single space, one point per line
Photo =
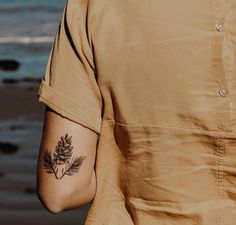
x=69 y=85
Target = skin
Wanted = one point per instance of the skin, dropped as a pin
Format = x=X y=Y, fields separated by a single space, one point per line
x=65 y=169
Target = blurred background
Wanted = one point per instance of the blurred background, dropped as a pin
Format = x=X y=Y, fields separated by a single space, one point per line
x=27 y=30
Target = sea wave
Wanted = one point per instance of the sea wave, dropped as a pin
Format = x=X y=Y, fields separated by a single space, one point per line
x=29 y=7
x=26 y=40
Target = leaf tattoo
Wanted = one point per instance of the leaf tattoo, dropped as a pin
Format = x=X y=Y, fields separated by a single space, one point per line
x=62 y=158
x=74 y=166
x=48 y=163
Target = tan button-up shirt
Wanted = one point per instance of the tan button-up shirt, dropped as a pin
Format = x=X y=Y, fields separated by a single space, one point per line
x=157 y=80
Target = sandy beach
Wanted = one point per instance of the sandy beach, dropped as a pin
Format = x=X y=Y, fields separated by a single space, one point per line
x=21 y=121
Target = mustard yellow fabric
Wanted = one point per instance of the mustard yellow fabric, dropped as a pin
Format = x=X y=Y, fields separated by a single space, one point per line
x=156 y=80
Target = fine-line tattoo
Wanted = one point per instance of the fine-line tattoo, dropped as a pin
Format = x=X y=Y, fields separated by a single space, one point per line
x=62 y=159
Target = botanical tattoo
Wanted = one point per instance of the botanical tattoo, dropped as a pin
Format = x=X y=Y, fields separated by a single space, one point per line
x=61 y=162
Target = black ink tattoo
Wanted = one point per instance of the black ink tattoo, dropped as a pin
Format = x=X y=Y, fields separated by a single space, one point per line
x=62 y=158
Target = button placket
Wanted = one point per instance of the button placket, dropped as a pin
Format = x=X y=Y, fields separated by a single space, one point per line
x=220 y=10
x=220 y=170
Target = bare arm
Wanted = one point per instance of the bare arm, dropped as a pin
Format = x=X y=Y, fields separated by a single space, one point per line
x=65 y=175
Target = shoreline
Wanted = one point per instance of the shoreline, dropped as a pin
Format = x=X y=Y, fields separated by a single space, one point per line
x=23 y=80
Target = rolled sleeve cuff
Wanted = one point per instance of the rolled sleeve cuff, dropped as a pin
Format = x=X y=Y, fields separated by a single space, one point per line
x=67 y=108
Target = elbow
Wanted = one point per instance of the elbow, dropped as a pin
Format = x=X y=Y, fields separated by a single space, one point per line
x=61 y=199
x=52 y=203
x=56 y=204
x=53 y=209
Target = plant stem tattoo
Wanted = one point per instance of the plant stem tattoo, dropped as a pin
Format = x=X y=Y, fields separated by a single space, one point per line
x=62 y=159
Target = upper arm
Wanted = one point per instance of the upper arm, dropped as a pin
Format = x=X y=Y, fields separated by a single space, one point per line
x=66 y=162
x=70 y=89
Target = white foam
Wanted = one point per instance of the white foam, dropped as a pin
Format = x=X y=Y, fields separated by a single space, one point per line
x=26 y=40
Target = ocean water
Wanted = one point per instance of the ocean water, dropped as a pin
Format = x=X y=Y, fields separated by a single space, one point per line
x=27 y=30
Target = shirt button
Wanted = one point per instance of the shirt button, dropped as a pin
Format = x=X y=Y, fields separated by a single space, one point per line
x=223 y=91
x=219 y=26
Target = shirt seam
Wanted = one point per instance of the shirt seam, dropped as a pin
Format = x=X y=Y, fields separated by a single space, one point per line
x=220 y=133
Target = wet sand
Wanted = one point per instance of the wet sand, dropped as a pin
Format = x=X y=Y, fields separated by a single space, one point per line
x=21 y=121
x=17 y=101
